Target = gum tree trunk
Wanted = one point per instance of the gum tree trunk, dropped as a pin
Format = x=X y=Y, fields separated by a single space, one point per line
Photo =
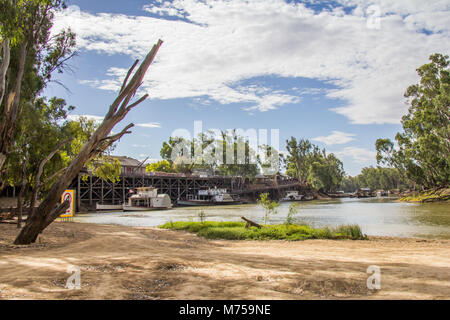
x=5 y=50
x=22 y=193
x=11 y=106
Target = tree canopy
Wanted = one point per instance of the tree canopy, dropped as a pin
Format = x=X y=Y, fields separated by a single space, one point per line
x=160 y=166
x=313 y=166
x=423 y=148
x=377 y=179
x=30 y=54
x=219 y=153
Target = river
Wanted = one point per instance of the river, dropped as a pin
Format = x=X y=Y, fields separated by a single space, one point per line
x=376 y=217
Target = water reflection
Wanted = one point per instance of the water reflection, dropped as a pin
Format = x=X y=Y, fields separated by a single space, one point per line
x=378 y=217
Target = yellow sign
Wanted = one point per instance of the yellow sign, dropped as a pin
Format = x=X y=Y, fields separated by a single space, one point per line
x=69 y=195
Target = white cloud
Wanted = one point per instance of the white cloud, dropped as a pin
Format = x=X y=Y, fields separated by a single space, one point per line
x=149 y=125
x=76 y=117
x=272 y=102
x=225 y=42
x=337 y=137
x=165 y=9
x=358 y=155
x=140 y=146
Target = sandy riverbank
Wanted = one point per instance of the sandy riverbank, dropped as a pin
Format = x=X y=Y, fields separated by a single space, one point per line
x=143 y=263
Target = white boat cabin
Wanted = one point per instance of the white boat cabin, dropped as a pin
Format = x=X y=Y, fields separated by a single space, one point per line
x=212 y=192
x=147 y=192
x=148 y=197
x=293 y=196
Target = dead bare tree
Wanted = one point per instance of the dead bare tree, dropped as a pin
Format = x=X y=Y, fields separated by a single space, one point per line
x=46 y=213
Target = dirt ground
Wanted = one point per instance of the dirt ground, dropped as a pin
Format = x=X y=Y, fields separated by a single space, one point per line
x=144 y=263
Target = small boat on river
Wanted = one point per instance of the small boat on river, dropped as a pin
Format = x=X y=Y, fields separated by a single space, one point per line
x=292 y=196
x=210 y=197
x=148 y=199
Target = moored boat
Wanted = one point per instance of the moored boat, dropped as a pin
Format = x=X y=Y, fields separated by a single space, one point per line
x=292 y=196
x=148 y=199
x=210 y=197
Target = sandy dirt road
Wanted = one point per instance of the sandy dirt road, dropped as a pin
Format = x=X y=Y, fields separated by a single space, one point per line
x=143 y=263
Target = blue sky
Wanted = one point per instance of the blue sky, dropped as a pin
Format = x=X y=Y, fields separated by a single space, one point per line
x=334 y=73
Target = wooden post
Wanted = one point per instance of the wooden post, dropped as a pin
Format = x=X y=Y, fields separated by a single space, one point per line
x=90 y=190
x=123 y=190
x=113 y=190
x=78 y=195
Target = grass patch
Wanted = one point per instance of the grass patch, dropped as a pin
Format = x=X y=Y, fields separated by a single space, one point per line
x=429 y=196
x=237 y=231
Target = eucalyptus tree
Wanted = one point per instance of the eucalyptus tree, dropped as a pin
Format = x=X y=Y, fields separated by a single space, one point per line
x=30 y=54
x=326 y=173
x=218 y=152
x=423 y=148
x=35 y=151
x=160 y=166
x=270 y=160
x=313 y=166
x=377 y=178
x=300 y=156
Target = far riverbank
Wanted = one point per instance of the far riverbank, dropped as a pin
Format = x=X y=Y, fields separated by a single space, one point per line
x=439 y=195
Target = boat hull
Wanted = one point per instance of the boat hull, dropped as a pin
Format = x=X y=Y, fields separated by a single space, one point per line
x=190 y=203
x=134 y=208
x=230 y=203
x=107 y=207
x=293 y=199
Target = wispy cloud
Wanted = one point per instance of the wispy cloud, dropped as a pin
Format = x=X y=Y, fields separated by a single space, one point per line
x=358 y=155
x=140 y=146
x=149 y=125
x=337 y=137
x=76 y=117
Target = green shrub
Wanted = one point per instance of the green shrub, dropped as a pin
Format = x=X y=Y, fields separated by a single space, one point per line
x=352 y=231
x=292 y=212
x=237 y=231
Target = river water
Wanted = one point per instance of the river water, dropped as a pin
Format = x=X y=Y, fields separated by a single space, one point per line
x=376 y=217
